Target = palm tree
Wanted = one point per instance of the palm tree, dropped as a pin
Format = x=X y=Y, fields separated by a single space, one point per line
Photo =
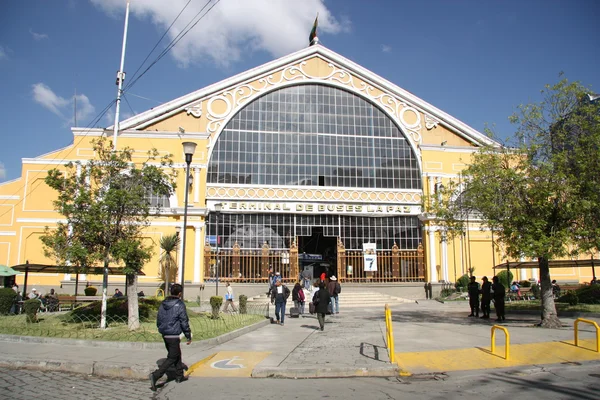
x=168 y=263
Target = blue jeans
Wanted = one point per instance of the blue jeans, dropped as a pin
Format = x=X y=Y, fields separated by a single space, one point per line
x=335 y=305
x=280 y=311
x=307 y=283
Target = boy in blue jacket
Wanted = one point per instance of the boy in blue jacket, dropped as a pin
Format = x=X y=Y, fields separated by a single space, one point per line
x=172 y=320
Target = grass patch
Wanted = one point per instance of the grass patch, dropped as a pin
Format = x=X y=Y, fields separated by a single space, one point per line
x=77 y=326
x=535 y=305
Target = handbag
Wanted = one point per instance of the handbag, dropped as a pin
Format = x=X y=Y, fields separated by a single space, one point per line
x=228 y=296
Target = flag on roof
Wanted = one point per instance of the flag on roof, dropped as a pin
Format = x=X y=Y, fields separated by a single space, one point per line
x=313 y=32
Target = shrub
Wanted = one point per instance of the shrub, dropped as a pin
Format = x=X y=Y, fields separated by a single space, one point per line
x=570 y=297
x=90 y=290
x=115 y=307
x=7 y=299
x=525 y=283
x=589 y=294
x=216 y=302
x=30 y=308
x=446 y=292
x=505 y=278
x=535 y=290
x=243 y=304
x=462 y=282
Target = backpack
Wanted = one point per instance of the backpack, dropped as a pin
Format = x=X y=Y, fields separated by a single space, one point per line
x=338 y=288
x=301 y=295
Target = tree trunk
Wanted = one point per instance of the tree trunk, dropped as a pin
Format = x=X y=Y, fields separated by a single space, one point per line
x=549 y=315
x=133 y=311
x=104 y=294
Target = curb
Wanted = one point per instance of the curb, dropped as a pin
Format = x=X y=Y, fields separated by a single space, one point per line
x=103 y=368
x=326 y=372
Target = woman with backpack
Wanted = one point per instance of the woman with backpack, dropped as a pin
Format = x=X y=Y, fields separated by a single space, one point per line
x=298 y=297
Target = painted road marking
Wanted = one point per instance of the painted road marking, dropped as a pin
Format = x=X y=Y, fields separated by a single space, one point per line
x=482 y=358
x=228 y=364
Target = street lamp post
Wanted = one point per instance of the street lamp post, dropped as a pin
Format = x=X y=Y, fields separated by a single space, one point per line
x=188 y=149
x=218 y=208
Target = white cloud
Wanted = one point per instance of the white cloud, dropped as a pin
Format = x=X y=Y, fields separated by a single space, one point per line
x=386 y=49
x=38 y=36
x=43 y=95
x=234 y=27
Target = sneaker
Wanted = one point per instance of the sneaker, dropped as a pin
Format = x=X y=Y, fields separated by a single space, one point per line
x=181 y=379
x=470 y=315
x=152 y=382
x=282 y=324
x=322 y=329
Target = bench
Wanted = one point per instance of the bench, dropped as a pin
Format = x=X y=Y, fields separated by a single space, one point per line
x=526 y=294
x=66 y=302
x=87 y=299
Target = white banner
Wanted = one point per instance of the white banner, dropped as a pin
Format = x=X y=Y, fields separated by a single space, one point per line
x=370 y=255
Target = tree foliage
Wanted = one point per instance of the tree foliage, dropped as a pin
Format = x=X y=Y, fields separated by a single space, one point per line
x=536 y=196
x=168 y=264
x=106 y=208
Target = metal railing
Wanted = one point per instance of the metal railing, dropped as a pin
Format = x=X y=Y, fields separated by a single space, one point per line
x=389 y=334
x=507 y=341
x=594 y=324
x=392 y=266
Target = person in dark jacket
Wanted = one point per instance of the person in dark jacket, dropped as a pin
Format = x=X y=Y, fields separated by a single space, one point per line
x=486 y=297
x=279 y=296
x=499 y=293
x=321 y=300
x=172 y=320
x=334 y=289
x=473 y=290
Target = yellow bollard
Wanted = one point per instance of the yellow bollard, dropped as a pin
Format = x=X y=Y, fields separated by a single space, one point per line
x=389 y=334
x=594 y=324
x=159 y=293
x=507 y=335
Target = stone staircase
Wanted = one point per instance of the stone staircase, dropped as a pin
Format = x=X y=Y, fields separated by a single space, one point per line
x=352 y=299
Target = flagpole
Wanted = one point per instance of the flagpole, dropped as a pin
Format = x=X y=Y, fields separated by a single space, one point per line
x=120 y=79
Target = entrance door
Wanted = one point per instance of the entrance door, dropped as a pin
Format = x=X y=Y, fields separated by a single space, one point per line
x=318 y=243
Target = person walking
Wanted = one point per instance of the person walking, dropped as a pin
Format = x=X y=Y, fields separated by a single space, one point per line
x=279 y=296
x=172 y=321
x=298 y=297
x=321 y=300
x=334 y=289
x=229 y=298
x=306 y=275
x=486 y=297
x=499 y=293
x=473 y=290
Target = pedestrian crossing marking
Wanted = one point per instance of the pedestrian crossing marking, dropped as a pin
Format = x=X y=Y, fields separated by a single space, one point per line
x=237 y=364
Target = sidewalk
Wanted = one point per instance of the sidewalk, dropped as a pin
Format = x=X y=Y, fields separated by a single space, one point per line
x=429 y=338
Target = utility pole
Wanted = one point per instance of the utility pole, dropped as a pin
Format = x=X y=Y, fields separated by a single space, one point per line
x=120 y=79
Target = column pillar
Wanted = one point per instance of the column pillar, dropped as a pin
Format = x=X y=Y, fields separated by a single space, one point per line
x=444 y=244
x=197 y=252
x=432 y=259
x=196 y=185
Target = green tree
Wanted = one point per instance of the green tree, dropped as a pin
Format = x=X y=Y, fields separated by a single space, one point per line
x=106 y=208
x=531 y=195
x=168 y=263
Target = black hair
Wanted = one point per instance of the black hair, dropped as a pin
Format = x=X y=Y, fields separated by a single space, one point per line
x=176 y=289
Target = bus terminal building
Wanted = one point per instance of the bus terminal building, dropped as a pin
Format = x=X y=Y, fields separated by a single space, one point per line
x=309 y=159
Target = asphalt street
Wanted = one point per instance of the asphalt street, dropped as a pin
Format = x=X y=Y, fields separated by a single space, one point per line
x=551 y=382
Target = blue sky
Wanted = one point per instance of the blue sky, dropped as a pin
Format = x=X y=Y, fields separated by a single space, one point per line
x=475 y=59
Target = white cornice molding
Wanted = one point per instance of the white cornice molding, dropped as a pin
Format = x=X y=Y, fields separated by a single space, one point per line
x=11 y=181
x=449 y=149
x=132 y=133
x=178 y=105
x=9 y=197
x=8 y=233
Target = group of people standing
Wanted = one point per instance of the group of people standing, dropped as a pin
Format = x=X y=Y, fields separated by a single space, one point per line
x=489 y=292
x=325 y=297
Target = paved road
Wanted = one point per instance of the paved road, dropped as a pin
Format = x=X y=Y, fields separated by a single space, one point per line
x=556 y=382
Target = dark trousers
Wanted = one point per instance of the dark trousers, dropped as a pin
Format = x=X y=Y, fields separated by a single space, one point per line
x=280 y=311
x=173 y=359
x=321 y=318
x=499 y=305
x=474 y=303
x=485 y=307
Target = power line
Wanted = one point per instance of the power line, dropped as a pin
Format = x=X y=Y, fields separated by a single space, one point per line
x=175 y=40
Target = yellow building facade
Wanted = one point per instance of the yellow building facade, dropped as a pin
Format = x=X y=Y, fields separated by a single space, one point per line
x=309 y=152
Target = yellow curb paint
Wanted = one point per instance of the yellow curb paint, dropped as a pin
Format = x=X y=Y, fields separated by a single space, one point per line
x=193 y=367
x=237 y=364
x=482 y=358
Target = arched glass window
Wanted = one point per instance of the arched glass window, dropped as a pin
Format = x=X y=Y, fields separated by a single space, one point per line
x=156 y=200
x=313 y=135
